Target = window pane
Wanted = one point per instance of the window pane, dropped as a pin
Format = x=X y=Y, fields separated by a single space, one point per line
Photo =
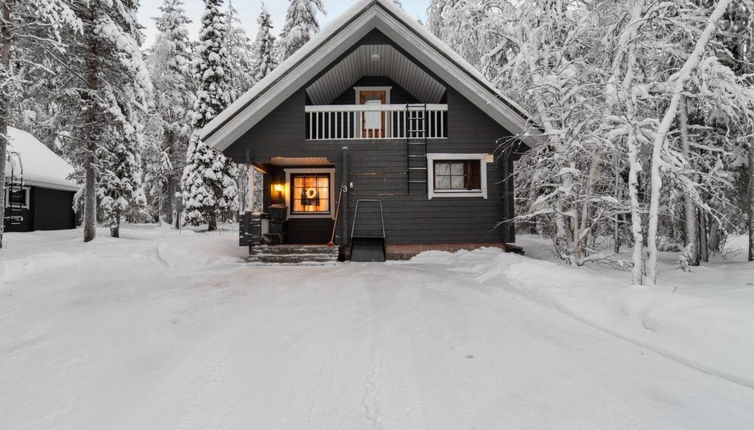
x=442 y=168
x=457 y=168
x=475 y=175
x=311 y=193
x=442 y=182
x=457 y=183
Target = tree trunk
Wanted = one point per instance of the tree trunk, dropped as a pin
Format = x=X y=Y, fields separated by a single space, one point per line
x=688 y=201
x=689 y=66
x=751 y=200
x=618 y=197
x=212 y=222
x=703 y=245
x=168 y=209
x=6 y=41
x=637 y=274
x=91 y=126
x=115 y=228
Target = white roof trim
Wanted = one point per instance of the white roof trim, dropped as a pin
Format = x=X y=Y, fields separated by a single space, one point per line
x=336 y=40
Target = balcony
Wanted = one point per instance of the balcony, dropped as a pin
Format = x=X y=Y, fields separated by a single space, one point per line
x=377 y=122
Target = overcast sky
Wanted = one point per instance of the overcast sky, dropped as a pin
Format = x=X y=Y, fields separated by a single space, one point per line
x=248 y=11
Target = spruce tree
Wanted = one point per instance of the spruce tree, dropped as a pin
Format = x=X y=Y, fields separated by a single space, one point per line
x=240 y=55
x=264 y=47
x=110 y=88
x=300 y=25
x=170 y=67
x=209 y=187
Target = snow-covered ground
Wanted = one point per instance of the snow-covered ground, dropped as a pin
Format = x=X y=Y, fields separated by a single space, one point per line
x=161 y=330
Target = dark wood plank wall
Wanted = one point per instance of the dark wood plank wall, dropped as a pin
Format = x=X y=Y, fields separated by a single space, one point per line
x=378 y=171
x=48 y=210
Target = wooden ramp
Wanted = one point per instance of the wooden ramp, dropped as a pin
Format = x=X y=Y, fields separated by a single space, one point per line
x=293 y=254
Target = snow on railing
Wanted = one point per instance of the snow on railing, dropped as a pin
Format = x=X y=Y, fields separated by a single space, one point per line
x=350 y=122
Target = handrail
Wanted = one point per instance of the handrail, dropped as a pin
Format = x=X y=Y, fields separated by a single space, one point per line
x=370 y=122
x=374 y=108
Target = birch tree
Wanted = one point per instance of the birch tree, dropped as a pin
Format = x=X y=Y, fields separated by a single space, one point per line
x=668 y=119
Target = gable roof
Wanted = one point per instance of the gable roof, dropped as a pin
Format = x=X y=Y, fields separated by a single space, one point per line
x=41 y=167
x=335 y=41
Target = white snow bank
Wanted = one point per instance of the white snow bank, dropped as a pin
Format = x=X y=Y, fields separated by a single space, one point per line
x=169 y=330
x=41 y=166
x=703 y=319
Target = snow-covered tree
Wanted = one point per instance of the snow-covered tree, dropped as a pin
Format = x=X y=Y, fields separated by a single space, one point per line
x=300 y=25
x=109 y=89
x=264 y=47
x=30 y=38
x=172 y=76
x=208 y=182
x=240 y=54
x=119 y=185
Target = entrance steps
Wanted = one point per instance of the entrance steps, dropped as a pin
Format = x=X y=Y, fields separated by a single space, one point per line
x=293 y=254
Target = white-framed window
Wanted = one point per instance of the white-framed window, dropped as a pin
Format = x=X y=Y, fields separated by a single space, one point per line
x=310 y=193
x=457 y=175
x=19 y=196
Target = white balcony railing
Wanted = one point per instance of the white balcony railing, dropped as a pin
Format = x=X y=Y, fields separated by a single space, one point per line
x=349 y=122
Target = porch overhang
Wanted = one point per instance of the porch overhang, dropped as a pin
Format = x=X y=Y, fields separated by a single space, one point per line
x=332 y=44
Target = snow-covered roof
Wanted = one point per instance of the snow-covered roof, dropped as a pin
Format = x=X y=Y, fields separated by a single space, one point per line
x=41 y=167
x=336 y=40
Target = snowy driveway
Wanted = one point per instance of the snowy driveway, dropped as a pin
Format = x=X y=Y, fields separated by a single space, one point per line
x=166 y=332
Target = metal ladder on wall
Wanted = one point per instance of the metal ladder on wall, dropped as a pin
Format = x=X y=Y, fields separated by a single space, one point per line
x=15 y=190
x=416 y=147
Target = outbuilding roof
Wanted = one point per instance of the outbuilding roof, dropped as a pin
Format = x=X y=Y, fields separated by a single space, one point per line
x=41 y=167
x=340 y=37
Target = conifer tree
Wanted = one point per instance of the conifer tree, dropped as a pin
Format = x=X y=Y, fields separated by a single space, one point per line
x=240 y=55
x=209 y=187
x=300 y=25
x=170 y=67
x=110 y=89
x=264 y=47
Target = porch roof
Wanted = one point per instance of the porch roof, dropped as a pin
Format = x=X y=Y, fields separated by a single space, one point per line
x=335 y=41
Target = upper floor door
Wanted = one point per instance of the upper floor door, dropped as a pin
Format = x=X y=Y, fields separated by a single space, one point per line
x=373 y=123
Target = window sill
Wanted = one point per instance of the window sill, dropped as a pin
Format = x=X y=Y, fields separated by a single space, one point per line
x=309 y=216
x=452 y=194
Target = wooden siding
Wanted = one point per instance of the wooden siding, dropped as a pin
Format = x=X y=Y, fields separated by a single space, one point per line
x=378 y=171
x=48 y=210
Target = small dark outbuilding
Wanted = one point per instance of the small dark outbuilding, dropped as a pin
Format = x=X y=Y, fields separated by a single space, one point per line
x=38 y=195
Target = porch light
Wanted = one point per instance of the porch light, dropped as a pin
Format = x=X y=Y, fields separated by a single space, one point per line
x=376 y=57
x=278 y=188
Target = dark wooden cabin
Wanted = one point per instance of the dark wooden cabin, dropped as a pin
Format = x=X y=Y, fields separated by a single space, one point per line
x=38 y=194
x=379 y=108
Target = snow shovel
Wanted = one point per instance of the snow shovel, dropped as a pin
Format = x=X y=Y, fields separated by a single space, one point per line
x=331 y=243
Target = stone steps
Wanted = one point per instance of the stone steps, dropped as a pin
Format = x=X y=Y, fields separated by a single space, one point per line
x=293 y=254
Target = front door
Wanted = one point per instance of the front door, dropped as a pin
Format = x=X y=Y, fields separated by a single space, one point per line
x=373 y=123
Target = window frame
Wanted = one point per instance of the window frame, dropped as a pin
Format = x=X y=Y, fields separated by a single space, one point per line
x=289 y=191
x=27 y=191
x=433 y=193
